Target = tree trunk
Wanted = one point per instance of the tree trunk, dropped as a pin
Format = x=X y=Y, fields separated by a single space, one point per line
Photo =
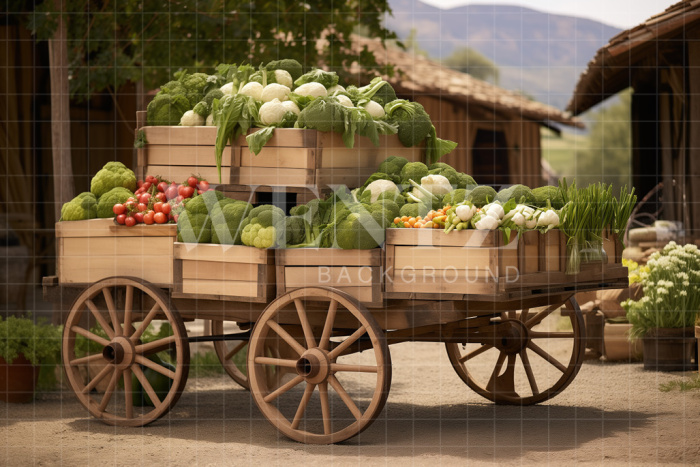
x=60 y=116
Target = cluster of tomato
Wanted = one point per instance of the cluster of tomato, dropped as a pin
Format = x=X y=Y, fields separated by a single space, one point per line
x=157 y=201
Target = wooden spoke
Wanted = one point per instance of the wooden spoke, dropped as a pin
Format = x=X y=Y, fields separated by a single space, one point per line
x=112 y=311
x=528 y=372
x=236 y=349
x=128 y=306
x=305 y=325
x=146 y=385
x=354 y=368
x=308 y=392
x=347 y=343
x=524 y=314
x=110 y=390
x=156 y=346
x=328 y=327
x=100 y=319
x=551 y=335
x=537 y=319
x=474 y=353
x=325 y=408
x=496 y=370
x=87 y=334
x=513 y=314
x=335 y=384
x=287 y=338
x=100 y=376
x=539 y=351
x=284 y=388
x=154 y=366
x=128 y=398
x=96 y=357
x=145 y=323
x=276 y=361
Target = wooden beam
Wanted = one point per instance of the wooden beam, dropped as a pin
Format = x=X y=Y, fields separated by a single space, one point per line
x=694 y=137
x=60 y=116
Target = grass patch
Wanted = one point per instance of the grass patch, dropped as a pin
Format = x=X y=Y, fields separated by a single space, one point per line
x=207 y=364
x=682 y=385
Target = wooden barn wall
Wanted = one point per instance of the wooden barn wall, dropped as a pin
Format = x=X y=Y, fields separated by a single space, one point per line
x=460 y=122
x=693 y=131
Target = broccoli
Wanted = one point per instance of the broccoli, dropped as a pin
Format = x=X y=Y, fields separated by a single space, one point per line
x=482 y=195
x=323 y=114
x=455 y=197
x=82 y=207
x=264 y=228
x=448 y=172
x=413 y=171
x=193 y=228
x=227 y=216
x=520 y=193
x=384 y=94
x=112 y=175
x=359 y=231
x=392 y=196
x=387 y=209
x=440 y=165
x=204 y=203
x=193 y=85
x=167 y=109
x=296 y=230
x=465 y=181
x=203 y=108
x=551 y=193
x=107 y=201
x=414 y=122
x=327 y=79
x=413 y=210
x=289 y=65
x=392 y=165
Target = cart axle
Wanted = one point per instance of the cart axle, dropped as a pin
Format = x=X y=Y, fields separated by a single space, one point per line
x=238 y=336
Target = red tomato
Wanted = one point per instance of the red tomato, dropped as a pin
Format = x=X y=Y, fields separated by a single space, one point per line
x=161 y=197
x=139 y=217
x=142 y=207
x=171 y=192
x=158 y=207
x=162 y=186
x=148 y=218
x=139 y=183
x=180 y=188
x=160 y=218
x=165 y=208
x=192 y=181
x=130 y=205
x=179 y=199
x=145 y=198
x=203 y=185
x=146 y=186
x=187 y=192
x=118 y=209
x=175 y=216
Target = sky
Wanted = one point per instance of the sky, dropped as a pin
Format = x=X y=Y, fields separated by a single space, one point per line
x=620 y=13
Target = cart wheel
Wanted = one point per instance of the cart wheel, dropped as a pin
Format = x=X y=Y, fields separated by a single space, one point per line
x=335 y=328
x=103 y=347
x=232 y=355
x=540 y=339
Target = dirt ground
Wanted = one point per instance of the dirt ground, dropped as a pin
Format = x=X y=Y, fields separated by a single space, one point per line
x=612 y=413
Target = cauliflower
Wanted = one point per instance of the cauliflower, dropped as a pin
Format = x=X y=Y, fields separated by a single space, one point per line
x=191 y=118
x=291 y=107
x=494 y=210
x=465 y=212
x=284 y=78
x=374 y=109
x=311 y=89
x=264 y=227
x=82 y=207
x=436 y=184
x=273 y=112
x=210 y=120
x=227 y=89
x=378 y=187
x=113 y=174
x=107 y=201
x=275 y=91
x=336 y=89
x=345 y=100
x=253 y=90
x=481 y=221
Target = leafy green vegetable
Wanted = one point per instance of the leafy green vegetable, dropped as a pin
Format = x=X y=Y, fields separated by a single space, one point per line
x=234 y=115
x=326 y=78
x=435 y=147
x=414 y=124
x=140 y=141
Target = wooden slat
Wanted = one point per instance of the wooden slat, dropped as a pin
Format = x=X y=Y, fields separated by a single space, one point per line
x=222 y=253
x=152 y=247
x=274 y=176
x=327 y=276
x=427 y=237
x=215 y=287
x=277 y=157
x=329 y=257
x=107 y=228
x=418 y=257
x=331 y=139
x=181 y=173
x=218 y=270
x=287 y=137
x=185 y=155
x=181 y=135
x=458 y=288
x=370 y=157
x=92 y=268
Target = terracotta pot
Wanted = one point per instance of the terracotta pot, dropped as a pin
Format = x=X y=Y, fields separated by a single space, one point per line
x=617 y=344
x=18 y=380
x=669 y=349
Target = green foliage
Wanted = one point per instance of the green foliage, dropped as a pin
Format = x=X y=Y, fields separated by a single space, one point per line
x=148 y=40
x=107 y=201
x=82 y=207
x=140 y=141
x=39 y=343
x=112 y=175
x=468 y=60
x=681 y=385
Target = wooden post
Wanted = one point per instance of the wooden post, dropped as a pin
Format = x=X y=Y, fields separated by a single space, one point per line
x=693 y=197
x=60 y=116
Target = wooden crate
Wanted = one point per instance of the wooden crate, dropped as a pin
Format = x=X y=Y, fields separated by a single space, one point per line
x=223 y=272
x=91 y=250
x=292 y=157
x=429 y=263
x=356 y=272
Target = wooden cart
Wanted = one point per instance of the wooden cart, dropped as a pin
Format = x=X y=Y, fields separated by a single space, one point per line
x=315 y=325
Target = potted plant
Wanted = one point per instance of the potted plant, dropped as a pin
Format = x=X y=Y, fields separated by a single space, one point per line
x=23 y=346
x=616 y=340
x=663 y=318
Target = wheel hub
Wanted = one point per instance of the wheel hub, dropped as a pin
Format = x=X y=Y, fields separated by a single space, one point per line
x=512 y=337
x=314 y=366
x=119 y=352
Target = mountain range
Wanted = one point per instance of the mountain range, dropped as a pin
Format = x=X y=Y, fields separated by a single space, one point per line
x=539 y=53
